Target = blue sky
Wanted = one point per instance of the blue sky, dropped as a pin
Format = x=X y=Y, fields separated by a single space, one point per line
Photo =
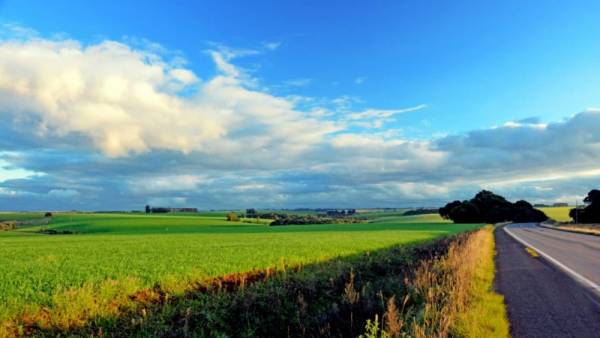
x=295 y=103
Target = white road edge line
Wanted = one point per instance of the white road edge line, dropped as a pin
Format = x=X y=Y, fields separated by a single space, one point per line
x=570 y=271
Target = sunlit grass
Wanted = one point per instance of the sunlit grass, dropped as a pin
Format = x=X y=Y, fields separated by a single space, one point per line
x=560 y=214
x=18 y=216
x=135 y=251
x=485 y=313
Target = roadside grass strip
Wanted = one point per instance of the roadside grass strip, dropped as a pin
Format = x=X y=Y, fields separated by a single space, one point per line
x=485 y=314
x=453 y=293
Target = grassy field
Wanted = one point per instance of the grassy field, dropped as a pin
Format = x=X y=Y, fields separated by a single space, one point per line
x=114 y=254
x=19 y=216
x=560 y=214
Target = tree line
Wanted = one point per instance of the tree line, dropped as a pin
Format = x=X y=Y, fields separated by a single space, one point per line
x=487 y=207
x=590 y=213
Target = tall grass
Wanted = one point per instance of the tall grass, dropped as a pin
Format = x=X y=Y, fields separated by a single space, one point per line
x=451 y=295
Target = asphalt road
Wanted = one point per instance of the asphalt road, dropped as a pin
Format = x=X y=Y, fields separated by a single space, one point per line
x=542 y=299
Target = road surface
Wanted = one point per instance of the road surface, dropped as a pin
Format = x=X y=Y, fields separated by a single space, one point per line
x=553 y=296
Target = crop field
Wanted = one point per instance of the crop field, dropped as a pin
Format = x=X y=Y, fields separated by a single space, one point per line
x=112 y=255
x=18 y=216
x=560 y=214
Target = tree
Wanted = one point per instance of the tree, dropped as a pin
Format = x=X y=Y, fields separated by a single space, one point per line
x=487 y=207
x=591 y=213
x=593 y=197
x=232 y=217
x=445 y=210
x=524 y=212
x=147 y=209
x=466 y=212
x=251 y=213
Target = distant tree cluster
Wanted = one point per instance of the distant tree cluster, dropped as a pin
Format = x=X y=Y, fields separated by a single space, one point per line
x=487 y=207
x=591 y=213
x=312 y=219
x=159 y=210
x=331 y=217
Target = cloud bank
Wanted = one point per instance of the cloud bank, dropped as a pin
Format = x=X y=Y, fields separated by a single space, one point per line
x=111 y=126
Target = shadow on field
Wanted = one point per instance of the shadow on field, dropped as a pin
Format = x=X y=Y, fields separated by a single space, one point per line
x=238 y=228
x=333 y=298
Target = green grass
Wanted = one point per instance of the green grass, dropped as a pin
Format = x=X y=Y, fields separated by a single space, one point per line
x=485 y=314
x=20 y=216
x=560 y=214
x=139 y=250
x=427 y=218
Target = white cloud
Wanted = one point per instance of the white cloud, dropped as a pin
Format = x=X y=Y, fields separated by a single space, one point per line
x=360 y=80
x=384 y=113
x=9 y=171
x=63 y=193
x=167 y=183
x=220 y=141
x=376 y=118
x=272 y=45
x=174 y=202
x=123 y=101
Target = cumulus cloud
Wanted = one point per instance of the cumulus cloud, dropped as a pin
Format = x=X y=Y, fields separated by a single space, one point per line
x=110 y=126
x=128 y=101
x=527 y=150
x=167 y=183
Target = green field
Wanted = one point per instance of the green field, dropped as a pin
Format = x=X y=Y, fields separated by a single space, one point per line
x=112 y=254
x=560 y=214
x=18 y=216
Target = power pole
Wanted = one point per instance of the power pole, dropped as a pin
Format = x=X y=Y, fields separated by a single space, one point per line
x=576 y=212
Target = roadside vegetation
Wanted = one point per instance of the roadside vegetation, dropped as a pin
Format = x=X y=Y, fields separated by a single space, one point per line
x=585 y=219
x=449 y=295
x=63 y=281
x=484 y=313
x=591 y=212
